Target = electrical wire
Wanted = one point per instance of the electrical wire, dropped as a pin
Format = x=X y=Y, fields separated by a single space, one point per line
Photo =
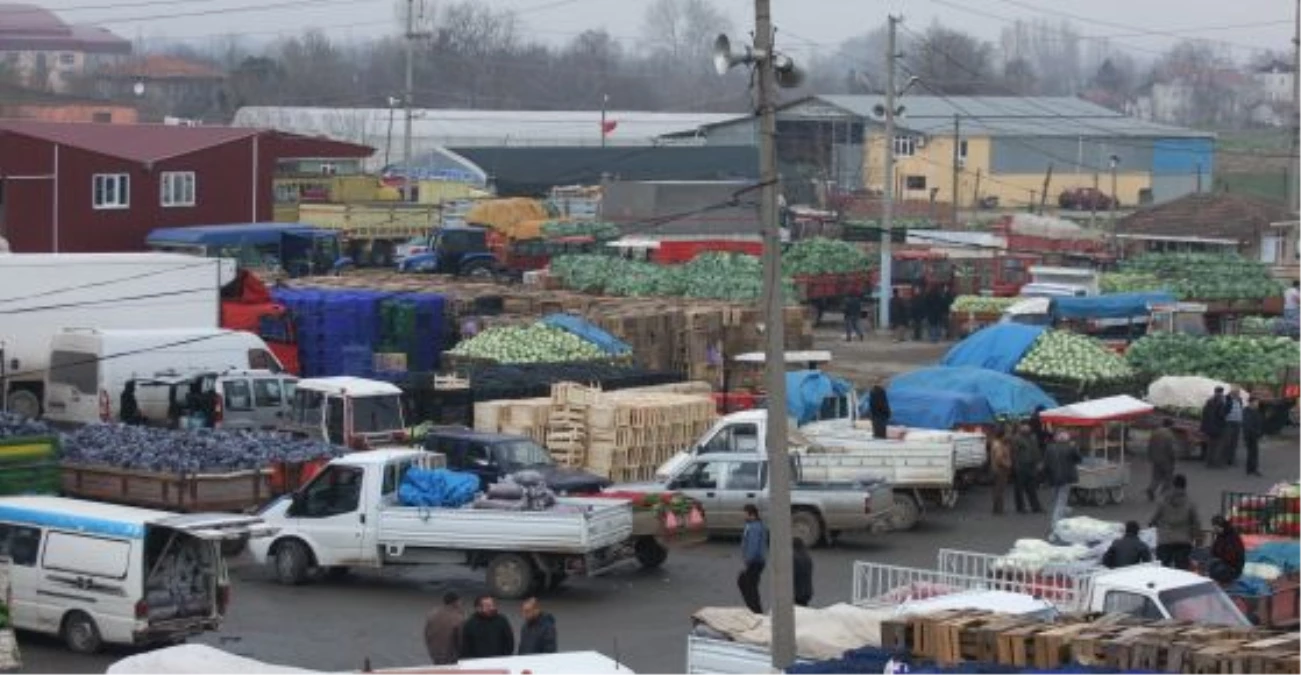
x=207 y=262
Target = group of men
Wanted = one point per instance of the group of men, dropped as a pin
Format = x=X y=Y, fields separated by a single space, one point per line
x=1027 y=455
x=451 y=637
x=1178 y=529
x=924 y=311
x=1225 y=420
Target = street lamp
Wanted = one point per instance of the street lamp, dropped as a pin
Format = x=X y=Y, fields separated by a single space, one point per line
x=1115 y=200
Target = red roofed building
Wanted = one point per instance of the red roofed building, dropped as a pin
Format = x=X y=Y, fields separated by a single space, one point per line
x=47 y=53
x=77 y=187
x=164 y=85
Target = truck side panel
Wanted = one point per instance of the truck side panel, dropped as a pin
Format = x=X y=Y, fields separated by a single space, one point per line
x=708 y=656
x=558 y=531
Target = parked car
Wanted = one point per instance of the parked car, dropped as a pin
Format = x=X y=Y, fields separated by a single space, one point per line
x=1085 y=199
x=492 y=456
x=246 y=399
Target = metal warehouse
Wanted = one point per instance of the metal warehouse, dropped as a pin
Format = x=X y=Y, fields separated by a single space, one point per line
x=82 y=187
x=1005 y=148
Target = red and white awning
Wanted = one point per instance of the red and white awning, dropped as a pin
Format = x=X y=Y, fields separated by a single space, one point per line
x=1098 y=411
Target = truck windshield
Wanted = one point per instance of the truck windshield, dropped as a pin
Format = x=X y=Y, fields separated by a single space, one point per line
x=521 y=454
x=374 y=414
x=1202 y=603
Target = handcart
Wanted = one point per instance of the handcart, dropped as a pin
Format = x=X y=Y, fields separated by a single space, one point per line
x=1103 y=473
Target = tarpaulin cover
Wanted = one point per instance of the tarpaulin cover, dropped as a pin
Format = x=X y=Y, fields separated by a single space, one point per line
x=576 y=325
x=998 y=347
x=807 y=389
x=1007 y=395
x=1285 y=555
x=437 y=488
x=924 y=408
x=1109 y=306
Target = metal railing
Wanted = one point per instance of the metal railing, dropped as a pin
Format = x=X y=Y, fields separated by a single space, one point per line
x=1066 y=585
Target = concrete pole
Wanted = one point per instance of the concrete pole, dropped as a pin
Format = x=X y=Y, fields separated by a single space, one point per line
x=886 y=286
x=1294 y=196
x=408 y=97
x=957 y=159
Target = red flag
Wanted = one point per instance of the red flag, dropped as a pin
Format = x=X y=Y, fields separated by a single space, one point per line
x=608 y=126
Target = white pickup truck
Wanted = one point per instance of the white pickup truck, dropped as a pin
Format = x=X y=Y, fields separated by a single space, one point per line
x=349 y=516
x=919 y=470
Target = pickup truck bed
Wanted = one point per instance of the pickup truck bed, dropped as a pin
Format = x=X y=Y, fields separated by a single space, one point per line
x=577 y=526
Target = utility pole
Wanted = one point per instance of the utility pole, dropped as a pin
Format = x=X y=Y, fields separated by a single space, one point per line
x=1043 y=197
x=1294 y=196
x=605 y=103
x=780 y=556
x=1115 y=199
x=886 y=284
x=957 y=159
x=1093 y=202
x=408 y=99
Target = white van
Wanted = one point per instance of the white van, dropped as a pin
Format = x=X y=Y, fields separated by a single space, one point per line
x=95 y=573
x=90 y=367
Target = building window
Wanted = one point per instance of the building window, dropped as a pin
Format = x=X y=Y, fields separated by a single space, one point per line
x=111 y=191
x=328 y=169
x=962 y=153
x=177 y=188
x=67 y=58
x=915 y=183
x=905 y=146
x=102 y=117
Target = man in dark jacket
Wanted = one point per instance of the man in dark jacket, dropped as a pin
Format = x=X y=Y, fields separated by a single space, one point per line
x=443 y=631
x=803 y=569
x=1060 y=462
x=486 y=633
x=1253 y=427
x=129 y=407
x=878 y=408
x=899 y=316
x=1228 y=554
x=1177 y=526
x=1037 y=428
x=537 y=635
x=754 y=553
x=918 y=307
x=1127 y=550
x=1025 y=467
x=853 y=311
x=1161 y=452
x=1212 y=427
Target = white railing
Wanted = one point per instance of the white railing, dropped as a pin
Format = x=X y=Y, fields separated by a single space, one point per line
x=1065 y=585
x=877 y=585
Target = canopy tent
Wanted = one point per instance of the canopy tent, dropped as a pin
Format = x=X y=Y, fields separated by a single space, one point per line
x=998 y=347
x=1109 y=306
x=1097 y=412
x=924 y=408
x=1007 y=395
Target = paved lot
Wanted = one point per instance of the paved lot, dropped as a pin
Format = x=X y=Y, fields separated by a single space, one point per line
x=642 y=618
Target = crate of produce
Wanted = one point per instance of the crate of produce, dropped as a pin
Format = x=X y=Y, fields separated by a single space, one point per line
x=1254 y=513
x=29 y=466
x=233 y=491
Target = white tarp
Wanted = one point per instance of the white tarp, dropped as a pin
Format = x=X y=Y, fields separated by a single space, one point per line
x=194 y=660
x=820 y=634
x=1112 y=408
x=1188 y=392
x=1050 y=228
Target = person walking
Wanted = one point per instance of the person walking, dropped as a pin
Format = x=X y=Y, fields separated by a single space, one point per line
x=1161 y=453
x=1177 y=525
x=899 y=315
x=1232 y=426
x=1253 y=427
x=853 y=311
x=878 y=408
x=486 y=633
x=803 y=570
x=754 y=553
x=1061 y=462
x=443 y=631
x=1025 y=470
x=537 y=635
x=1127 y=550
x=1000 y=462
x=1212 y=427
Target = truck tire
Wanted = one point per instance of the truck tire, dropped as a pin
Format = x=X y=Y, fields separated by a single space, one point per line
x=807 y=525
x=24 y=402
x=292 y=561
x=80 y=633
x=478 y=270
x=650 y=554
x=907 y=512
x=511 y=576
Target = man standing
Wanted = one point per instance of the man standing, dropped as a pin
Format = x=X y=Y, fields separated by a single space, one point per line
x=1025 y=456
x=1212 y=427
x=486 y=633
x=1232 y=426
x=1127 y=550
x=853 y=311
x=878 y=407
x=1177 y=526
x=538 y=633
x=754 y=553
x=803 y=569
x=1060 y=462
x=1253 y=427
x=899 y=316
x=1161 y=452
x=443 y=631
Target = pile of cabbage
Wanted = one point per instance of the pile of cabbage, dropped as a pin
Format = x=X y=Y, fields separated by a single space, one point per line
x=555 y=229
x=1125 y=282
x=979 y=304
x=1202 y=276
x=196 y=450
x=1070 y=357
x=824 y=256
x=1230 y=358
x=535 y=343
x=711 y=276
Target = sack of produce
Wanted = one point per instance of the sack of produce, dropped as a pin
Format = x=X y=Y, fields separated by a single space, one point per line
x=1183 y=392
x=539 y=498
x=529 y=478
x=499 y=504
x=506 y=489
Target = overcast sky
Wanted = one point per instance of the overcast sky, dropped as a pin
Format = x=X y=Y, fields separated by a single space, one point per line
x=1137 y=25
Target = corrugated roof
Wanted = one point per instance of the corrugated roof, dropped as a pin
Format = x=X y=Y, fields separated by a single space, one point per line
x=1208 y=215
x=138 y=142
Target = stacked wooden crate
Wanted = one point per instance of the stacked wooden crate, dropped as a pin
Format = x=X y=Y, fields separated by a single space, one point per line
x=632 y=433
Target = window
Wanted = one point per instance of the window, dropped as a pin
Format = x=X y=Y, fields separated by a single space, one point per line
x=237 y=395
x=962 y=153
x=905 y=146
x=177 y=188
x=915 y=183
x=67 y=59
x=705 y=476
x=738 y=438
x=102 y=117
x=20 y=544
x=1121 y=602
x=334 y=421
x=266 y=392
x=328 y=169
x=747 y=476
x=336 y=491
x=261 y=359
x=78 y=370
x=111 y=191
x=91 y=556
x=307 y=406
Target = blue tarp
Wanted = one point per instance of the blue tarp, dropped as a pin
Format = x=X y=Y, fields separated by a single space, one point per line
x=576 y=325
x=1007 y=395
x=1285 y=555
x=998 y=347
x=934 y=408
x=437 y=488
x=806 y=390
x=1109 y=306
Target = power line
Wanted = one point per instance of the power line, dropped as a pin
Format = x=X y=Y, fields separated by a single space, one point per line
x=228 y=10
x=1111 y=24
x=68 y=289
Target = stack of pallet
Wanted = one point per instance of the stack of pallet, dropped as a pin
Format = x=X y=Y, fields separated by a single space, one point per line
x=1121 y=643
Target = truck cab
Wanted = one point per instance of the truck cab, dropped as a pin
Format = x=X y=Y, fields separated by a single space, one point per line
x=1155 y=592
x=347 y=411
x=459 y=250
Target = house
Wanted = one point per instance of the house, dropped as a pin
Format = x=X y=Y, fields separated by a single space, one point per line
x=23 y=103
x=81 y=187
x=164 y=85
x=1275 y=80
x=1222 y=97
x=46 y=53
x=1220 y=221
x=1005 y=148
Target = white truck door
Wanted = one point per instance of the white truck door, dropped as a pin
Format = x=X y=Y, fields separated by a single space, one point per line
x=329 y=511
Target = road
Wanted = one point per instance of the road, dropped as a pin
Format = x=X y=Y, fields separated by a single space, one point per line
x=641 y=618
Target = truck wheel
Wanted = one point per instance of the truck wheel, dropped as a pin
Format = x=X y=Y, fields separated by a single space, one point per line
x=478 y=270
x=807 y=526
x=292 y=560
x=25 y=402
x=650 y=553
x=81 y=634
x=510 y=576
x=907 y=512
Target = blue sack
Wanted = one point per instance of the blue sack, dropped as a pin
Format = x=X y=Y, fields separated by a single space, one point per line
x=437 y=488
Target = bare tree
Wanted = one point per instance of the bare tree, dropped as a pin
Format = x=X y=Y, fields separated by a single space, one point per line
x=950 y=62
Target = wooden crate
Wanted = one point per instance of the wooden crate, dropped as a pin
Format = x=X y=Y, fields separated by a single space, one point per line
x=489 y=415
